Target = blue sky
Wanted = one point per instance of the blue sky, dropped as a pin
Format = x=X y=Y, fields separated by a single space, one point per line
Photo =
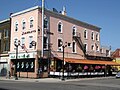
x=102 y=13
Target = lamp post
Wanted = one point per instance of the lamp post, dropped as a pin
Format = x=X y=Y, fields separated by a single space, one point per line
x=16 y=45
x=63 y=67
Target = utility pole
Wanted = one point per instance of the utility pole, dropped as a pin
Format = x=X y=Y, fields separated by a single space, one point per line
x=42 y=53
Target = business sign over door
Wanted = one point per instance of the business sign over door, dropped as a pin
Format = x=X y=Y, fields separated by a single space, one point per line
x=23 y=55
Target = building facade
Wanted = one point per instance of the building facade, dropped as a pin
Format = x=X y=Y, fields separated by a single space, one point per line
x=4 y=46
x=80 y=41
x=116 y=58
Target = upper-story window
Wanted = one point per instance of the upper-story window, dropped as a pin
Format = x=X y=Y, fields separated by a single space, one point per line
x=92 y=47
x=31 y=22
x=97 y=48
x=74 y=31
x=74 y=47
x=46 y=23
x=60 y=26
x=16 y=26
x=30 y=41
x=23 y=24
x=15 y=42
x=23 y=42
x=85 y=34
x=60 y=44
x=45 y=43
x=97 y=37
x=6 y=33
x=92 y=35
x=85 y=47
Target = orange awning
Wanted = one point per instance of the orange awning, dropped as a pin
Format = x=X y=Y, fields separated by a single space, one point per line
x=84 y=61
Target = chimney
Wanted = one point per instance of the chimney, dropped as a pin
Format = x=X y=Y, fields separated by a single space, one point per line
x=64 y=11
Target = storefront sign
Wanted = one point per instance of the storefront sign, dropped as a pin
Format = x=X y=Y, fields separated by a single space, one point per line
x=32 y=31
x=22 y=55
x=4 y=59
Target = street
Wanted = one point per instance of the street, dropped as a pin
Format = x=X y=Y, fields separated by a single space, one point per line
x=95 y=84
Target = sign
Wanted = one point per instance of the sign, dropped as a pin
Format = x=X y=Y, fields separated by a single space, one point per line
x=23 y=33
x=22 y=55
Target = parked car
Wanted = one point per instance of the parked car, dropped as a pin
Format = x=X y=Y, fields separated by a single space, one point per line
x=118 y=75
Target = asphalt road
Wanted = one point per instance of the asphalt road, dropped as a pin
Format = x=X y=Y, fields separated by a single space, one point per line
x=96 y=84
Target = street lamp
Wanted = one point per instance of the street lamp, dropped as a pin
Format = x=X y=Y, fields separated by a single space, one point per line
x=63 y=67
x=16 y=45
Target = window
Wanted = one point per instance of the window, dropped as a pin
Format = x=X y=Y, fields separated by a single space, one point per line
x=6 y=33
x=16 y=26
x=22 y=42
x=60 y=27
x=85 y=47
x=60 y=44
x=6 y=45
x=23 y=25
x=30 y=41
x=85 y=34
x=15 y=41
x=45 y=43
x=31 y=22
x=69 y=44
x=107 y=52
x=97 y=37
x=74 y=47
x=46 y=23
x=101 y=50
x=97 y=48
x=92 y=35
x=74 y=31
x=92 y=47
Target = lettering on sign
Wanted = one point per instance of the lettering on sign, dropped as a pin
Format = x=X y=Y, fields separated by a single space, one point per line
x=23 y=33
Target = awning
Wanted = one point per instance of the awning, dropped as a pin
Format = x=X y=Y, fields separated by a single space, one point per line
x=84 y=61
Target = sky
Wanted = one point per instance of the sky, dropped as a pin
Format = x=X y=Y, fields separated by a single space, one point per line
x=102 y=13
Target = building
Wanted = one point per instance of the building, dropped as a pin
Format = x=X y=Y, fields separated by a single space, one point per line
x=116 y=58
x=77 y=40
x=4 y=46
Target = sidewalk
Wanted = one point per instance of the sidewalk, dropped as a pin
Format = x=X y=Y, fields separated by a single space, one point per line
x=51 y=80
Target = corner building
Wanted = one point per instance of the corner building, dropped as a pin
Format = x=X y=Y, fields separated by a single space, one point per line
x=82 y=41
